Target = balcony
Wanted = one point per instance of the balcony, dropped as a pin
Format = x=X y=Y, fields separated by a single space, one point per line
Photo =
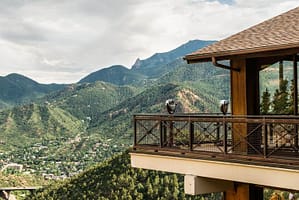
x=261 y=150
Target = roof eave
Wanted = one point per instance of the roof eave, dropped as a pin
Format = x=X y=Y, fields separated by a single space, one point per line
x=245 y=53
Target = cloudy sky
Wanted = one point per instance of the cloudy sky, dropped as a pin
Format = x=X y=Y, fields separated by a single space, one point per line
x=61 y=41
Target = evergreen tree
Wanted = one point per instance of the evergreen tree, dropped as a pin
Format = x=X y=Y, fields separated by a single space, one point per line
x=150 y=191
x=266 y=102
x=292 y=94
x=281 y=99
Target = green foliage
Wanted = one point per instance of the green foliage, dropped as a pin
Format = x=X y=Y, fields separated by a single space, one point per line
x=291 y=98
x=266 y=102
x=17 y=89
x=116 y=179
x=281 y=99
x=268 y=193
x=87 y=100
x=20 y=180
x=32 y=123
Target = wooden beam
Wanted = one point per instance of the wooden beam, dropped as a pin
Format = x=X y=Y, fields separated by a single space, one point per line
x=215 y=63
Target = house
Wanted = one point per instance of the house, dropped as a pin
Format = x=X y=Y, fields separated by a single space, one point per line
x=237 y=153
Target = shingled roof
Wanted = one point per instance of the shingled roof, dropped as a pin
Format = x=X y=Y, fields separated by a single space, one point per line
x=280 y=32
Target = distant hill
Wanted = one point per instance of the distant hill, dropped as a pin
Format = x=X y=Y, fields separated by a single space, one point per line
x=88 y=100
x=17 y=89
x=144 y=70
x=151 y=66
x=116 y=74
x=31 y=123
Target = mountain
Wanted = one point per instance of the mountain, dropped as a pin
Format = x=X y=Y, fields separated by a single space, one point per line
x=143 y=71
x=150 y=65
x=17 y=89
x=116 y=74
x=87 y=100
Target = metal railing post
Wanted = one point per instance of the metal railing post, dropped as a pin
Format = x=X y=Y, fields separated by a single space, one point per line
x=171 y=134
x=191 y=136
x=296 y=137
x=225 y=135
x=161 y=133
x=217 y=132
x=265 y=152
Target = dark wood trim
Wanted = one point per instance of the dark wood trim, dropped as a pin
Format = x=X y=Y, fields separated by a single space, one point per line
x=215 y=63
x=250 y=53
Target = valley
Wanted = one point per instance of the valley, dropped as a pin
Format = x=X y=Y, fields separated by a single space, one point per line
x=66 y=131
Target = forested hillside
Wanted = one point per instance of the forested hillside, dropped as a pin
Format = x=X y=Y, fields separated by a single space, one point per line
x=33 y=123
x=87 y=100
x=16 y=89
x=115 y=179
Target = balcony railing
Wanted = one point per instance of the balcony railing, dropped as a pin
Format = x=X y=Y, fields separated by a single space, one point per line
x=270 y=140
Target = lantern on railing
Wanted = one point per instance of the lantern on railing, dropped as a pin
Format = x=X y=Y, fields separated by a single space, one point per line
x=170 y=106
x=224 y=106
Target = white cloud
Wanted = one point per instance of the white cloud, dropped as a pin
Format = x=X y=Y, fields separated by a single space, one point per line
x=64 y=40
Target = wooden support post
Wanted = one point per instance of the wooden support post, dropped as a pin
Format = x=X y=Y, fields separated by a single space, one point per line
x=295 y=74
x=240 y=191
x=244 y=191
x=280 y=74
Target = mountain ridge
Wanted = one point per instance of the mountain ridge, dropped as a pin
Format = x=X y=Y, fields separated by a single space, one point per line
x=150 y=68
x=18 y=89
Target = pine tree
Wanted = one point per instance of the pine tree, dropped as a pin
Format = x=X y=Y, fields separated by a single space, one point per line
x=266 y=102
x=292 y=94
x=281 y=99
x=150 y=191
